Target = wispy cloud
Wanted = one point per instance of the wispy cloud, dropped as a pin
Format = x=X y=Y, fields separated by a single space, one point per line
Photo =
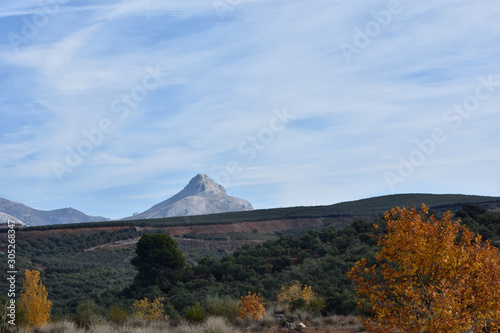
x=223 y=79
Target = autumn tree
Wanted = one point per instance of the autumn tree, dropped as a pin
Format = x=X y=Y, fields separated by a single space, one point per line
x=431 y=276
x=296 y=295
x=34 y=297
x=252 y=306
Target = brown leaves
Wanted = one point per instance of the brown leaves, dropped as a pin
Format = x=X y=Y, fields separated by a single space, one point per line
x=432 y=276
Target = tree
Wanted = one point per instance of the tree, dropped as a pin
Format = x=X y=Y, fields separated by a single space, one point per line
x=158 y=261
x=298 y=296
x=252 y=306
x=430 y=276
x=294 y=293
x=34 y=297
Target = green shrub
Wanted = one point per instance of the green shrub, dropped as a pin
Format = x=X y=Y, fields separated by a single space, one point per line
x=86 y=313
x=21 y=314
x=4 y=319
x=116 y=314
x=195 y=313
x=317 y=305
x=222 y=307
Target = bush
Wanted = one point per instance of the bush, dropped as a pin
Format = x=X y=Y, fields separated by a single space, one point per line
x=149 y=310
x=195 y=313
x=317 y=305
x=4 y=319
x=116 y=314
x=299 y=297
x=86 y=313
x=222 y=307
x=252 y=306
x=21 y=314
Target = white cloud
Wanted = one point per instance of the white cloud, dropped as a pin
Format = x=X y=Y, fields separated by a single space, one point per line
x=352 y=120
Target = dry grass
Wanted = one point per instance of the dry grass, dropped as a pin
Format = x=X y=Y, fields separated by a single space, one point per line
x=269 y=324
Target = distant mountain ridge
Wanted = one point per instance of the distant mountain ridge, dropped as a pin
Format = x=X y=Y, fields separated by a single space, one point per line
x=36 y=217
x=7 y=219
x=201 y=196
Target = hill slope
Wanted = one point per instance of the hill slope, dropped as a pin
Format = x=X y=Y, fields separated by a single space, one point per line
x=347 y=210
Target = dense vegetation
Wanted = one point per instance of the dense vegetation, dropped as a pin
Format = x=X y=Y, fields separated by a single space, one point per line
x=78 y=278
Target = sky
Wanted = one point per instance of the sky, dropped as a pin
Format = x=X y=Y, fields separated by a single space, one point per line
x=112 y=106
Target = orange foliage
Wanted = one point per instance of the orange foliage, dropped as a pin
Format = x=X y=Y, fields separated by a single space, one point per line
x=432 y=276
x=34 y=297
x=252 y=306
x=149 y=310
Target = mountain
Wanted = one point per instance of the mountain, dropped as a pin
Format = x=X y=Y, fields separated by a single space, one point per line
x=34 y=217
x=201 y=196
x=5 y=218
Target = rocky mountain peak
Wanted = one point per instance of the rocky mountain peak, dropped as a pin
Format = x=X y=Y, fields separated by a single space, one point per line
x=200 y=196
x=202 y=183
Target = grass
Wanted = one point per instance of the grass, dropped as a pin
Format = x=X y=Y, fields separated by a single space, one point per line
x=212 y=324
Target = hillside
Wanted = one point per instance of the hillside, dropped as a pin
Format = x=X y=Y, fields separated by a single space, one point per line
x=226 y=258
x=350 y=210
x=95 y=262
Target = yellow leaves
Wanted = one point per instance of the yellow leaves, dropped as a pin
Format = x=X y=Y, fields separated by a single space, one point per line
x=298 y=296
x=252 y=306
x=293 y=292
x=149 y=310
x=34 y=298
x=432 y=275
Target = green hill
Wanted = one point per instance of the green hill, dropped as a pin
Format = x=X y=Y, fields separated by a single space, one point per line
x=364 y=207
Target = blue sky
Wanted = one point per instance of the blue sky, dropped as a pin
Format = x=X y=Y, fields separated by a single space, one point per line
x=113 y=106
